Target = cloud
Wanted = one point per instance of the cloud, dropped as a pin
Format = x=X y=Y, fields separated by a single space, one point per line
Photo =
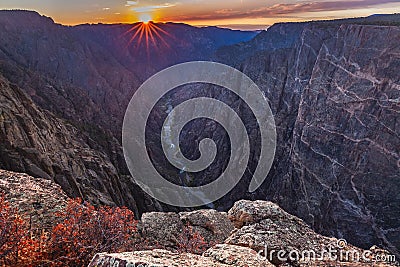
x=147 y=9
x=131 y=3
x=321 y=6
x=280 y=10
x=225 y=11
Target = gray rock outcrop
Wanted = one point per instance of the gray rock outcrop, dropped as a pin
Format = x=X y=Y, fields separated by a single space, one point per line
x=37 y=199
x=263 y=230
x=166 y=229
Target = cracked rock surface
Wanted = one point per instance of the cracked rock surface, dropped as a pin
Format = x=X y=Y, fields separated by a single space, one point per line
x=36 y=198
x=262 y=229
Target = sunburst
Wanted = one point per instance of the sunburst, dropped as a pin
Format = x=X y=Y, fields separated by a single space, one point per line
x=147 y=32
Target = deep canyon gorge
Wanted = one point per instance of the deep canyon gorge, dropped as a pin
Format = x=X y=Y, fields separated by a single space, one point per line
x=333 y=87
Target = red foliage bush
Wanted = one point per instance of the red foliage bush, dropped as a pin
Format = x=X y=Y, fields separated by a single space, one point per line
x=83 y=231
x=17 y=247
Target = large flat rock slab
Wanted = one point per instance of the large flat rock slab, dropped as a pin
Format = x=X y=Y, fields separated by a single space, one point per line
x=153 y=258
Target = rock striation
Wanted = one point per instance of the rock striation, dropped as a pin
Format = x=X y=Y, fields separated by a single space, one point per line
x=36 y=142
x=346 y=145
x=334 y=91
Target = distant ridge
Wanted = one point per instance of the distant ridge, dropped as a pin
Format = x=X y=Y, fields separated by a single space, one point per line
x=375 y=19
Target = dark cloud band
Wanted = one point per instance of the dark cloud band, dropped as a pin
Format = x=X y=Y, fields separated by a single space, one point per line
x=279 y=10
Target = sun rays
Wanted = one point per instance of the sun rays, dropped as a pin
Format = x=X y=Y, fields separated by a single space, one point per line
x=149 y=34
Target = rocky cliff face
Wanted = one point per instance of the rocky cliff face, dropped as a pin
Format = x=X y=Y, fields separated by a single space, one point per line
x=346 y=146
x=36 y=142
x=335 y=95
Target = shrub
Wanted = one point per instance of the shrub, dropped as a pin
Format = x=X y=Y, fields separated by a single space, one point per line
x=85 y=231
x=17 y=246
x=191 y=241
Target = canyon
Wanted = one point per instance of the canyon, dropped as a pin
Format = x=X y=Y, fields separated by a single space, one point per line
x=333 y=87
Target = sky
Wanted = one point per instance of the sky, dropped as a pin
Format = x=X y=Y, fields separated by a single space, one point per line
x=237 y=14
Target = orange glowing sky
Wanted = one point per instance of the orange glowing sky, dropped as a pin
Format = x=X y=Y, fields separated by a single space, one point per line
x=241 y=14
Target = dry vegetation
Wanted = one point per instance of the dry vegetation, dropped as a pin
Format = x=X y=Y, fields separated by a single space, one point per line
x=82 y=232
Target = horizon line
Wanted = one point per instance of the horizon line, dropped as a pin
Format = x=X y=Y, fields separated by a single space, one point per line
x=235 y=27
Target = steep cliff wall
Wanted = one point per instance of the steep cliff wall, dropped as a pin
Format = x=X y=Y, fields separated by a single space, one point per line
x=34 y=141
x=346 y=144
x=334 y=91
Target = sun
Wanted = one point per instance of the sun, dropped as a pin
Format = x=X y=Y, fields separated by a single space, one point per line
x=145 y=18
x=148 y=33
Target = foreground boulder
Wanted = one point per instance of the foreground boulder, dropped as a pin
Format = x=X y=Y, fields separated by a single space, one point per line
x=283 y=238
x=264 y=235
x=265 y=226
x=236 y=256
x=152 y=258
x=167 y=229
x=36 y=198
x=220 y=256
